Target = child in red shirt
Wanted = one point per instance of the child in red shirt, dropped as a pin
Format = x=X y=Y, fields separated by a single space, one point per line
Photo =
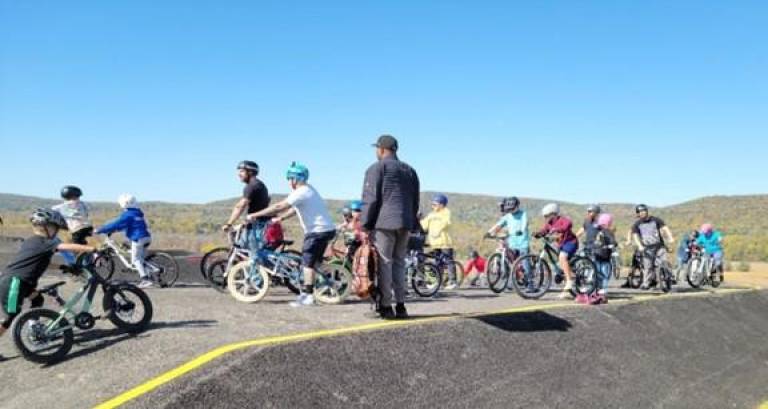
x=561 y=228
x=475 y=264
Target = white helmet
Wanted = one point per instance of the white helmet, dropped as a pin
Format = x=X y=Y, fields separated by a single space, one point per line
x=552 y=208
x=127 y=201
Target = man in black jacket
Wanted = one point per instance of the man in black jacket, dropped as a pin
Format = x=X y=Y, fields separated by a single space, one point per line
x=390 y=205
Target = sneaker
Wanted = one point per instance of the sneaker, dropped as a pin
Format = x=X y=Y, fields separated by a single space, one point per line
x=596 y=299
x=387 y=313
x=583 y=299
x=626 y=285
x=565 y=295
x=145 y=283
x=303 y=300
x=568 y=286
x=644 y=287
x=530 y=290
x=400 y=312
x=451 y=286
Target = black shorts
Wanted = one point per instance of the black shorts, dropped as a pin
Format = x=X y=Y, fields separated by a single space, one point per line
x=314 y=247
x=81 y=236
x=13 y=292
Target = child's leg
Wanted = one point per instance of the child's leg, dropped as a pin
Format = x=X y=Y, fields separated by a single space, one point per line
x=605 y=270
x=565 y=265
x=137 y=258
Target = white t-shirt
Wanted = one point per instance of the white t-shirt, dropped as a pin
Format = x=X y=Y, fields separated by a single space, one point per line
x=76 y=213
x=311 y=209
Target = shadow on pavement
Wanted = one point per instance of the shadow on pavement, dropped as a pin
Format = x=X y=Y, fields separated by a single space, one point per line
x=537 y=321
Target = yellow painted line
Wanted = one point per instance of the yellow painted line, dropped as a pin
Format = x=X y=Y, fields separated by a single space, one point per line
x=764 y=406
x=204 y=359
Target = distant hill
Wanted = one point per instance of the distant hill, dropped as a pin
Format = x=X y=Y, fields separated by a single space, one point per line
x=742 y=218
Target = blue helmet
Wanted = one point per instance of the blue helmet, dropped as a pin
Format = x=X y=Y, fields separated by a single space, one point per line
x=441 y=199
x=356 y=206
x=297 y=172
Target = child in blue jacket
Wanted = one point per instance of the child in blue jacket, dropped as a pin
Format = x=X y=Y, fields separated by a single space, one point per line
x=133 y=223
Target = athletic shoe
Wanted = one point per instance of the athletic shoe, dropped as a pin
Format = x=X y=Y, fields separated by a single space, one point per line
x=451 y=286
x=582 y=299
x=400 y=312
x=145 y=283
x=303 y=300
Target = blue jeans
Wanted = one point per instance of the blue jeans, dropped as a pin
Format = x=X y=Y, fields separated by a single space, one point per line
x=604 y=271
x=254 y=241
x=718 y=257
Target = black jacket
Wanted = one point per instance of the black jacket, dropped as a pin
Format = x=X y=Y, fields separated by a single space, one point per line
x=390 y=196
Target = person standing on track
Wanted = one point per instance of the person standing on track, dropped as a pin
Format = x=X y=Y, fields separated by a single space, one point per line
x=651 y=236
x=437 y=224
x=590 y=227
x=390 y=209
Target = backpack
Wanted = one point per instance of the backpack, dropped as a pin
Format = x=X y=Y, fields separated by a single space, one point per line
x=273 y=235
x=365 y=269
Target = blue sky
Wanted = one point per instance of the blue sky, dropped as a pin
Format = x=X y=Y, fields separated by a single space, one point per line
x=652 y=101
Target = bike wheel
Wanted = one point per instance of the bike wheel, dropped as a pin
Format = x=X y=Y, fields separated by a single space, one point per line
x=426 y=280
x=585 y=276
x=616 y=267
x=459 y=273
x=217 y=275
x=539 y=282
x=293 y=265
x=211 y=257
x=104 y=265
x=127 y=307
x=36 y=341
x=497 y=273
x=333 y=283
x=714 y=278
x=166 y=269
x=246 y=288
x=695 y=274
x=666 y=279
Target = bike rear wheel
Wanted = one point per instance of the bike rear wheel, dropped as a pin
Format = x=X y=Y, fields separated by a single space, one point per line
x=211 y=257
x=535 y=285
x=127 y=307
x=333 y=283
x=217 y=275
x=166 y=269
x=426 y=280
x=585 y=276
x=497 y=273
x=246 y=288
x=38 y=343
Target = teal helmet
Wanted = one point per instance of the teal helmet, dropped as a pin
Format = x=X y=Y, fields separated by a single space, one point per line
x=297 y=172
x=356 y=206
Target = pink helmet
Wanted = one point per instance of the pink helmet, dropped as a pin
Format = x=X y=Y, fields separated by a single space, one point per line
x=707 y=228
x=605 y=220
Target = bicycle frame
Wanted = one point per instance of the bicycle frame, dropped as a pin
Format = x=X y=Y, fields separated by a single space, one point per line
x=86 y=293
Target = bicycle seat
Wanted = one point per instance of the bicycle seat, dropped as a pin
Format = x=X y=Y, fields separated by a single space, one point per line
x=51 y=287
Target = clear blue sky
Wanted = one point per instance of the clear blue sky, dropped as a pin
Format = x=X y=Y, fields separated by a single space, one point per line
x=651 y=101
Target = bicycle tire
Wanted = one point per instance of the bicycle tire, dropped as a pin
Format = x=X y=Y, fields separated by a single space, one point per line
x=666 y=279
x=115 y=308
x=542 y=277
x=217 y=275
x=36 y=314
x=168 y=266
x=584 y=276
x=211 y=256
x=497 y=273
x=694 y=274
x=104 y=265
x=635 y=277
x=616 y=267
x=245 y=289
x=426 y=280
x=333 y=283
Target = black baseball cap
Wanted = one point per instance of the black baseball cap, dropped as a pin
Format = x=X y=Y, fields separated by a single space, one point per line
x=386 y=142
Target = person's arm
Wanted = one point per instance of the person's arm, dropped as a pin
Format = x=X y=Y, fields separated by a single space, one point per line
x=77 y=248
x=371 y=197
x=497 y=227
x=469 y=267
x=269 y=211
x=638 y=243
x=116 y=225
x=580 y=233
x=285 y=216
x=237 y=211
x=668 y=233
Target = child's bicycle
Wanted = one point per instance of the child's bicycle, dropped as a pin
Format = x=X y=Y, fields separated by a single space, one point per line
x=443 y=263
x=702 y=269
x=46 y=336
x=162 y=267
x=333 y=282
x=584 y=270
x=425 y=278
x=636 y=273
x=504 y=265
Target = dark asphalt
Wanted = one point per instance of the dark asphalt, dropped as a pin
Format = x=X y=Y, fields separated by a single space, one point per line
x=708 y=352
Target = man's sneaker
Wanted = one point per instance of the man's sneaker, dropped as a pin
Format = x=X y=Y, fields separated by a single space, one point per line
x=400 y=312
x=303 y=300
x=565 y=295
x=387 y=313
x=145 y=283
x=451 y=286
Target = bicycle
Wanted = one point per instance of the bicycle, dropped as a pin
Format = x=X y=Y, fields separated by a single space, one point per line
x=616 y=263
x=499 y=265
x=636 y=270
x=45 y=336
x=702 y=270
x=333 y=283
x=665 y=277
x=443 y=263
x=162 y=267
x=584 y=270
x=425 y=278
x=218 y=266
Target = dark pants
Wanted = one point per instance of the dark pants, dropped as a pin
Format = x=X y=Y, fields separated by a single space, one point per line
x=393 y=247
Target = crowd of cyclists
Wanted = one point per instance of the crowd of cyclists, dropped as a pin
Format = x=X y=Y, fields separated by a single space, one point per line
x=596 y=238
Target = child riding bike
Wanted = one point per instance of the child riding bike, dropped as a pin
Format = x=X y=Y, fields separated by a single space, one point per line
x=319 y=229
x=437 y=224
x=515 y=221
x=561 y=228
x=21 y=277
x=684 y=250
x=77 y=215
x=711 y=241
x=133 y=223
x=649 y=233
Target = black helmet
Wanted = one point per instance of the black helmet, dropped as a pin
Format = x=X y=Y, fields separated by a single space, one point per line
x=509 y=203
x=71 y=192
x=44 y=217
x=593 y=208
x=641 y=208
x=249 y=166
x=474 y=254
